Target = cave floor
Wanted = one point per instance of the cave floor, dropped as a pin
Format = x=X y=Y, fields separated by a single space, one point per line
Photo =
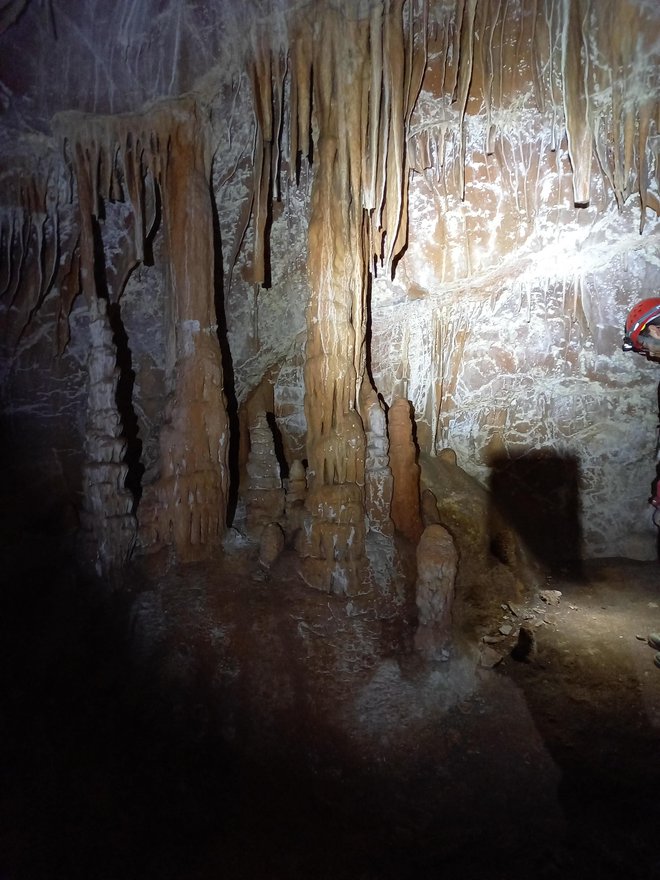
x=215 y=721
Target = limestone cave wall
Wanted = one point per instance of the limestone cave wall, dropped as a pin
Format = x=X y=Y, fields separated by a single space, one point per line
x=451 y=203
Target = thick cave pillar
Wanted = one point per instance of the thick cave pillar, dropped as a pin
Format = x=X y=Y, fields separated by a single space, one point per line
x=356 y=72
x=124 y=158
x=186 y=508
x=336 y=443
x=332 y=543
x=108 y=525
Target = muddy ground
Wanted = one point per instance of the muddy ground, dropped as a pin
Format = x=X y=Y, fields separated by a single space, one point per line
x=215 y=721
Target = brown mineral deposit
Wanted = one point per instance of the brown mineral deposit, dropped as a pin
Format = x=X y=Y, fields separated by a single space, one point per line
x=405 y=471
x=437 y=564
x=271 y=544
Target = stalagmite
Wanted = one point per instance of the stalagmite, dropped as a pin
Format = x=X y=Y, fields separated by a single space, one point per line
x=296 y=492
x=271 y=544
x=107 y=518
x=378 y=474
x=437 y=564
x=405 y=471
x=265 y=494
x=429 y=509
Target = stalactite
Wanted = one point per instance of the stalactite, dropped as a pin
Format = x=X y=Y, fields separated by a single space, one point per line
x=394 y=161
x=261 y=84
x=279 y=73
x=603 y=158
x=370 y=154
x=6 y=235
x=267 y=73
x=241 y=230
x=293 y=120
x=574 y=76
x=261 y=200
x=30 y=203
x=642 y=139
x=69 y=288
x=23 y=239
x=452 y=57
x=366 y=74
x=303 y=77
x=133 y=173
x=546 y=47
x=416 y=60
x=31 y=242
x=501 y=91
x=629 y=125
x=488 y=29
x=539 y=96
x=437 y=378
x=47 y=260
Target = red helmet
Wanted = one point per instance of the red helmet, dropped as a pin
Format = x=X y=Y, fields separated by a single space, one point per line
x=639 y=316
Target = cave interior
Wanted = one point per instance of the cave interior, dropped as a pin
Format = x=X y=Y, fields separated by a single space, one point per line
x=326 y=534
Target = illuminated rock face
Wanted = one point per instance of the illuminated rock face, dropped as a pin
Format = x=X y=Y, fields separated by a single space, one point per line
x=508 y=304
x=461 y=195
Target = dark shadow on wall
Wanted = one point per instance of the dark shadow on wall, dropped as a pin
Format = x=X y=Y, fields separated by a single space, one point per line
x=126 y=378
x=278 y=445
x=227 y=367
x=538 y=495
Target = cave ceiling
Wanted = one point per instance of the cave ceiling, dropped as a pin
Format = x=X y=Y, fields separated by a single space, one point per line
x=100 y=57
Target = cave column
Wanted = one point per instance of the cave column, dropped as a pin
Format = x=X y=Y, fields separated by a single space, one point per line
x=186 y=508
x=333 y=540
x=356 y=72
x=108 y=524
